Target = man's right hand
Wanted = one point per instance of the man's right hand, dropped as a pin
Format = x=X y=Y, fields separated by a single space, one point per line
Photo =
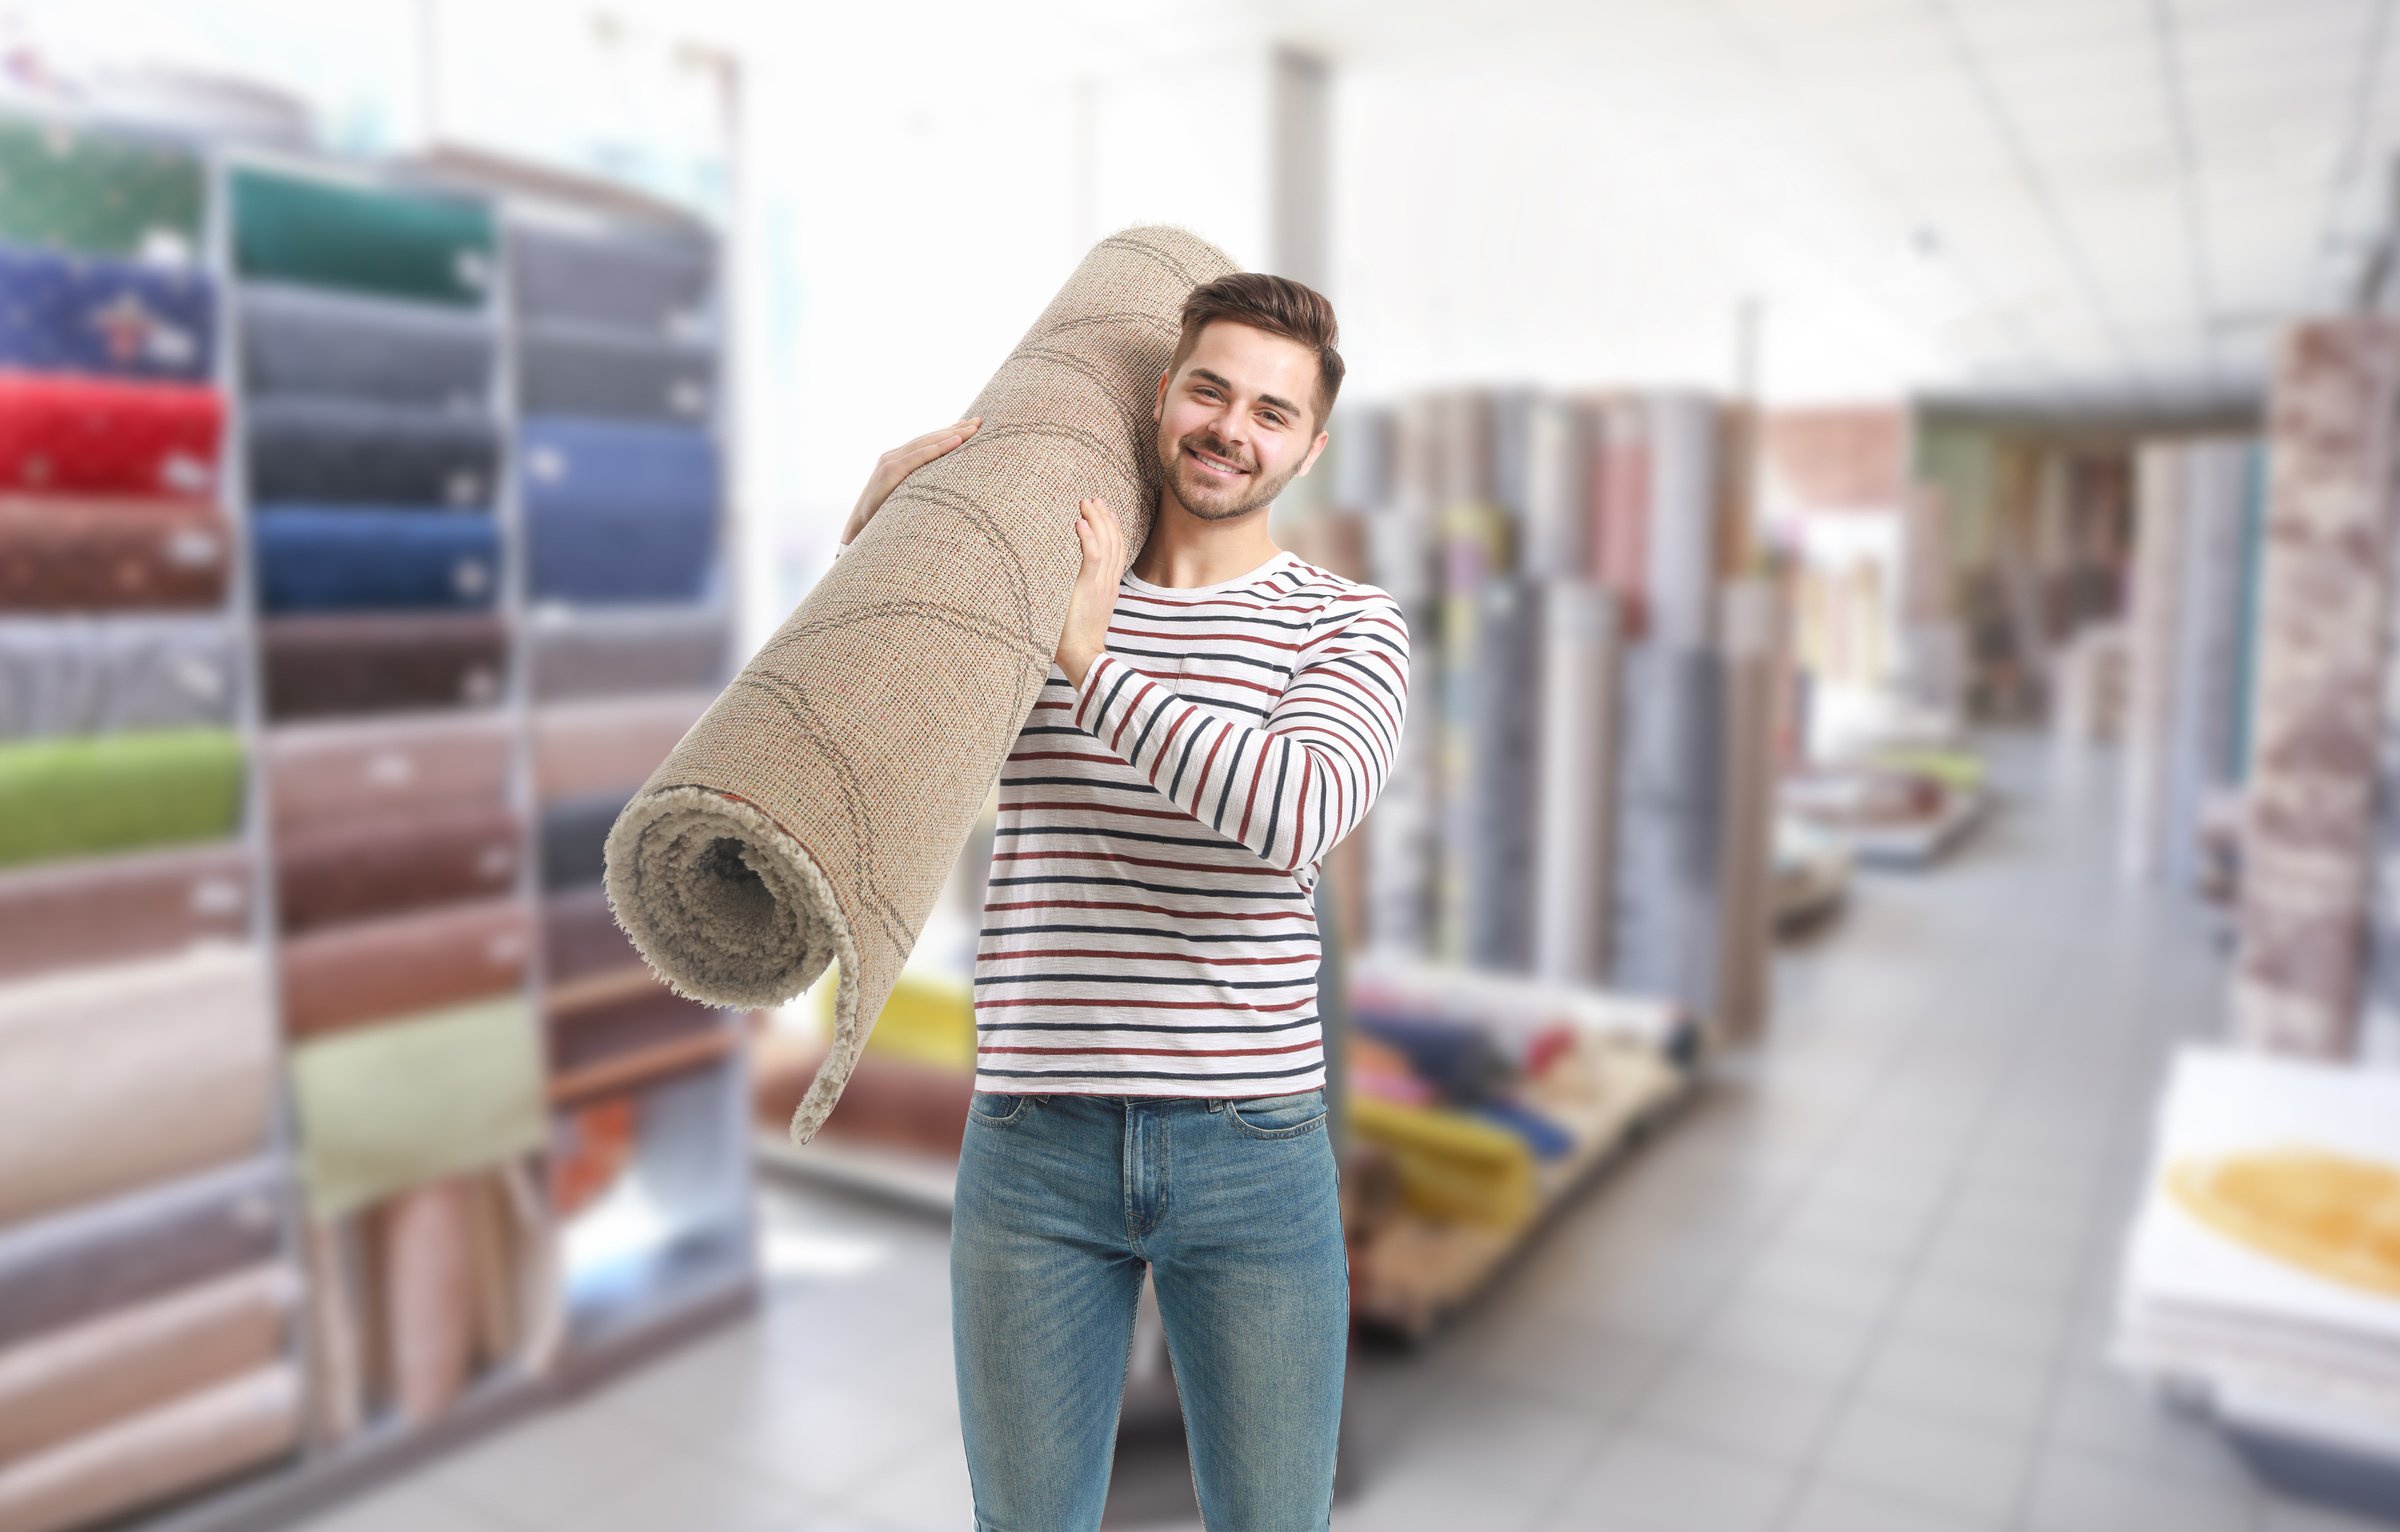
x=898 y=464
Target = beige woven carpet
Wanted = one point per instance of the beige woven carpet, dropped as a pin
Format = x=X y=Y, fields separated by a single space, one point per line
x=814 y=811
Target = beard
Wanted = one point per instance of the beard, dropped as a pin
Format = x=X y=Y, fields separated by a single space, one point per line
x=1211 y=498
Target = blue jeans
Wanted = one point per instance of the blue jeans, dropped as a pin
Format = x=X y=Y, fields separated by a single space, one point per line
x=1235 y=1208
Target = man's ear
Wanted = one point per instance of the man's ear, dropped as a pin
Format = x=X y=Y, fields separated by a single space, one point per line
x=1315 y=448
x=1158 y=406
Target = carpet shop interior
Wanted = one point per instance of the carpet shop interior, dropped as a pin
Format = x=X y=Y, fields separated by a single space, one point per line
x=1868 y=999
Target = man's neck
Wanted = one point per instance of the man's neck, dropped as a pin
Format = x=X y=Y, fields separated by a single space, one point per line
x=1183 y=550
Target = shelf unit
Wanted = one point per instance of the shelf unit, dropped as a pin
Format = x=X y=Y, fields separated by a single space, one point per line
x=617 y=1299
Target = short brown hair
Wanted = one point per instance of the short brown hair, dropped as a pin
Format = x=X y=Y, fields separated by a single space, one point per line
x=1277 y=305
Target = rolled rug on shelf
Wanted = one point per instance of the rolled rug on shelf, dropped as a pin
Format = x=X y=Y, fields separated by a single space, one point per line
x=313 y=343
x=656 y=287
x=359 y=558
x=116 y=1077
x=620 y=554
x=572 y=370
x=80 y=554
x=116 y=674
x=814 y=812
x=338 y=663
x=385 y=864
x=587 y=748
x=178 y=1446
x=77 y=795
x=101 y=192
x=357 y=238
x=573 y=655
x=405 y=1102
x=111 y=909
x=118 y=1364
x=363 y=973
x=114 y=318
x=320 y=451
x=99 y=436
x=586 y=467
x=327 y=773
x=109 y=1254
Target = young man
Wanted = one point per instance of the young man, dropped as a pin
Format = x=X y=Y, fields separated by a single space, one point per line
x=1150 y=1073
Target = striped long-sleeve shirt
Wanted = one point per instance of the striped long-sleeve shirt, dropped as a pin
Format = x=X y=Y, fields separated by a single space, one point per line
x=1148 y=924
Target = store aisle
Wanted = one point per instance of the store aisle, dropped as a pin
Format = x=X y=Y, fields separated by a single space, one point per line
x=1862 y=1286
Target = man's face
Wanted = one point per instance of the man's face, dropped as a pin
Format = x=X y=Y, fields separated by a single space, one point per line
x=1241 y=401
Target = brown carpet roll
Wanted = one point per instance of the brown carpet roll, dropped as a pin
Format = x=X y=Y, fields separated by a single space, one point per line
x=129 y=1360
x=814 y=812
x=108 y=909
x=189 y=1442
x=374 y=970
x=890 y=1100
x=69 y=555
x=584 y=748
x=122 y=1075
x=395 y=863
x=625 y=1027
x=580 y=938
x=348 y=663
x=85 y=1262
x=329 y=773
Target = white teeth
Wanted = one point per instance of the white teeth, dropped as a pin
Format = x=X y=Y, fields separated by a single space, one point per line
x=1209 y=462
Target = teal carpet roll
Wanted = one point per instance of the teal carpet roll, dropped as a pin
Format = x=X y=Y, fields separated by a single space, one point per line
x=329 y=234
x=81 y=794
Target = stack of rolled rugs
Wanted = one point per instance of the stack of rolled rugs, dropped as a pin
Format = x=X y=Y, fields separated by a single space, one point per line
x=146 y=1302
x=1472 y=1082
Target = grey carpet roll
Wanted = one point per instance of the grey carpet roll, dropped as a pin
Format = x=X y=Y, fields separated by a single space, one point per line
x=308 y=342
x=581 y=370
x=1577 y=780
x=816 y=809
x=612 y=652
x=96 y=675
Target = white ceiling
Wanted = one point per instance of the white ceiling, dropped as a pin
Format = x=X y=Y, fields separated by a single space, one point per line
x=2094 y=203
x=2101 y=202
x=2075 y=202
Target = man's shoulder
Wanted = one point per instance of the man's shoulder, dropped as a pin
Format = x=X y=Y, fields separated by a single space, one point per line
x=1336 y=595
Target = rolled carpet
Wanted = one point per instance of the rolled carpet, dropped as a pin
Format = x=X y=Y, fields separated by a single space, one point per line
x=85 y=793
x=87 y=1260
x=815 y=810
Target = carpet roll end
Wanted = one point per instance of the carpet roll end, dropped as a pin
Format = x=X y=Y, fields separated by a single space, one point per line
x=729 y=909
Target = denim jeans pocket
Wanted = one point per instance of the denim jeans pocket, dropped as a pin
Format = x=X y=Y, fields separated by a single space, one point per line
x=1277 y=1116
x=999 y=1108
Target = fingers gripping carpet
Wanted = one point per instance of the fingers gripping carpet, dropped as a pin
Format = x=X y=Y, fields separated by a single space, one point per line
x=814 y=811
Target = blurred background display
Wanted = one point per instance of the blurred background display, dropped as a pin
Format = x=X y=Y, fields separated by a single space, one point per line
x=1870 y=998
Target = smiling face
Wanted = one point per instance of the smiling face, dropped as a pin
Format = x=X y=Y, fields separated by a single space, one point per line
x=1236 y=422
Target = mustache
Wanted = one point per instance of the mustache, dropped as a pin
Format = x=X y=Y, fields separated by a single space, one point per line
x=1215 y=450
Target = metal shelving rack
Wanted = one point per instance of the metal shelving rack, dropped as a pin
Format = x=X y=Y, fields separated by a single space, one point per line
x=597 y=1344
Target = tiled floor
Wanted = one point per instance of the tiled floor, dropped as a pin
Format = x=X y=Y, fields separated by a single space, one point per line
x=1862 y=1286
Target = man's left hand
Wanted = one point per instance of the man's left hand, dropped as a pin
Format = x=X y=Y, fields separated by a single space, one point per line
x=1094 y=601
